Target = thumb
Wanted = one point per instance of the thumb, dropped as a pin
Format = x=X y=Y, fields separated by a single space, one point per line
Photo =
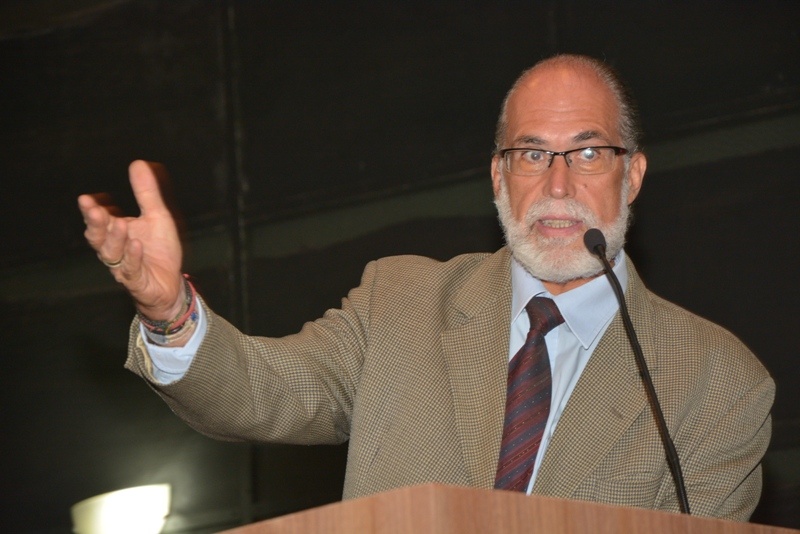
x=146 y=189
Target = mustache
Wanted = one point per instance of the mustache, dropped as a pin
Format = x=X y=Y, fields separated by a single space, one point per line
x=569 y=208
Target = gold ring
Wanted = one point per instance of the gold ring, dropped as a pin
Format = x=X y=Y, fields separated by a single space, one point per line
x=111 y=264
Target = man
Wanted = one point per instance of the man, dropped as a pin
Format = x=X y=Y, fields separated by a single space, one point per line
x=413 y=369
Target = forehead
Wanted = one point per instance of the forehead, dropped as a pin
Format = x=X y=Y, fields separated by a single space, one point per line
x=559 y=103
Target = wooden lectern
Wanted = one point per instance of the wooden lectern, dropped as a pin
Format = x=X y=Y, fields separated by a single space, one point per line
x=434 y=508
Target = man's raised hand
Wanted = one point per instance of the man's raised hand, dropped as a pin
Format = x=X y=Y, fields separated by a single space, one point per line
x=143 y=253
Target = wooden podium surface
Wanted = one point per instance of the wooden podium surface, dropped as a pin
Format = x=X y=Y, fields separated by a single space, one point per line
x=434 y=508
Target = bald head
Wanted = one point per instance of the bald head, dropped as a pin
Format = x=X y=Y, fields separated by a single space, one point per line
x=582 y=67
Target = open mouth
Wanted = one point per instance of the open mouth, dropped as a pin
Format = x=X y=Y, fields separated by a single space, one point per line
x=558 y=223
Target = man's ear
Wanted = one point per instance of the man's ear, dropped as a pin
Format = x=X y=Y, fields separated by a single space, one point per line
x=496 y=175
x=636 y=170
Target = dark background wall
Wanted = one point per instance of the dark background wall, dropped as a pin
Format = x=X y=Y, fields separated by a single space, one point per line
x=305 y=139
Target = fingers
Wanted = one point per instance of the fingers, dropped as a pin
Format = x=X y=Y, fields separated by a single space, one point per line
x=112 y=250
x=123 y=256
x=145 y=188
x=86 y=202
x=107 y=235
x=97 y=219
x=129 y=269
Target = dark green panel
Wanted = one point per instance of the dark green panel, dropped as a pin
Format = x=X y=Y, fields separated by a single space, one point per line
x=80 y=101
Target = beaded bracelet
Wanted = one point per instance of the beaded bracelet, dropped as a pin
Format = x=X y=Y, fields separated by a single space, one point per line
x=177 y=337
x=188 y=311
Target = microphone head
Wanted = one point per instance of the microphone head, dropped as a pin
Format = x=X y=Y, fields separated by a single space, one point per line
x=595 y=241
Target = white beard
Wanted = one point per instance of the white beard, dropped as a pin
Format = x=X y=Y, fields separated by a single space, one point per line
x=558 y=260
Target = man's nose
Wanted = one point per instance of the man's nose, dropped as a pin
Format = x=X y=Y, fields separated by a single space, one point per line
x=560 y=177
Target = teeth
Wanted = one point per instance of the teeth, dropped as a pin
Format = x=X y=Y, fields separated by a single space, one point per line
x=557 y=223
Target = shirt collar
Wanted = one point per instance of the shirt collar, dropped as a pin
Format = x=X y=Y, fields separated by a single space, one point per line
x=586 y=309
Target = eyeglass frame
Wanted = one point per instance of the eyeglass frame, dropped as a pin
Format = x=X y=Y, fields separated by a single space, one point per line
x=618 y=151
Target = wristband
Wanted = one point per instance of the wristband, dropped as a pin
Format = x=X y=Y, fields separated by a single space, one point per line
x=172 y=327
x=175 y=338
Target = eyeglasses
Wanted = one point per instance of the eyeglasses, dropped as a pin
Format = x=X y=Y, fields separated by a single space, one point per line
x=585 y=160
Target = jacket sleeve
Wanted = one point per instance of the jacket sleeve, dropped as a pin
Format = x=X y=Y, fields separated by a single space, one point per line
x=722 y=461
x=295 y=389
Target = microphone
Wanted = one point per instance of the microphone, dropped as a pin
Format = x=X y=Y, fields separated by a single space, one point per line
x=595 y=242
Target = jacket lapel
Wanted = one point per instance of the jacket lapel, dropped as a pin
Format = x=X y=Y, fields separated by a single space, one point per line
x=475 y=348
x=607 y=399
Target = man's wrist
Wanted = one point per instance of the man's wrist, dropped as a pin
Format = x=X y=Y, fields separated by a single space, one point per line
x=159 y=313
x=167 y=364
x=183 y=319
x=177 y=339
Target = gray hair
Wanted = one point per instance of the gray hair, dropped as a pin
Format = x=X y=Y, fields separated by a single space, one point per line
x=629 y=127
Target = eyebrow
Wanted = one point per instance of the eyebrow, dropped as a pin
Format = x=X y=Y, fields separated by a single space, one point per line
x=588 y=135
x=529 y=140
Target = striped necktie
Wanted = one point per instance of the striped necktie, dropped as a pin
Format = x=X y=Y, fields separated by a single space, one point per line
x=527 y=399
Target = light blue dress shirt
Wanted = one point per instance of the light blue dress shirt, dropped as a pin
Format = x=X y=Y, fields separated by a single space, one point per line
x=171 y=363
x=587 y=312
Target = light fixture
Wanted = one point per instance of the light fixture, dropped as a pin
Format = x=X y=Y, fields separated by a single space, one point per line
x=140 y=510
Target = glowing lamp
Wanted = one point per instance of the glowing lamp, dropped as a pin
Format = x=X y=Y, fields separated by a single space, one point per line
x=140 y=510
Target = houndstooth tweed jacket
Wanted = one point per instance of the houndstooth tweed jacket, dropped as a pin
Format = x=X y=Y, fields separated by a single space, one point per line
x=412 y=370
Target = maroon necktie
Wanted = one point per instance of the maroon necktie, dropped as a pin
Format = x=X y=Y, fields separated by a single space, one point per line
x=527 y=399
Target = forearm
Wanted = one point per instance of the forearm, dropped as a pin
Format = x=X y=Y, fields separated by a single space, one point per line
x=296 y=389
